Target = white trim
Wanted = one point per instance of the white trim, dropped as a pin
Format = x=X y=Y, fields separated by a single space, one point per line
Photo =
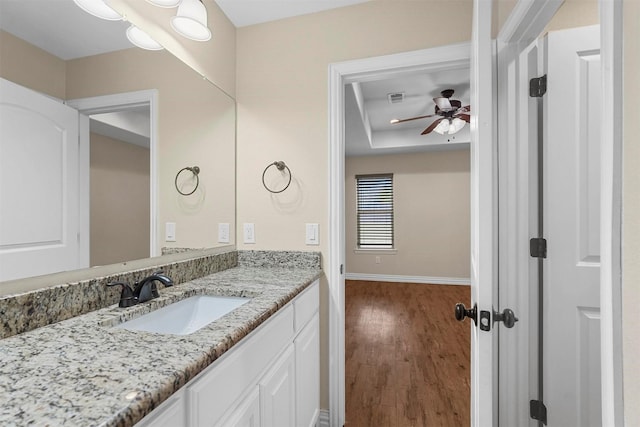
x=527 y=20
x=611 y=42
x=323 y=418
x=375 y=251
x=122 y=101
x=84 y=190
x=439 y=58
x=427 y=280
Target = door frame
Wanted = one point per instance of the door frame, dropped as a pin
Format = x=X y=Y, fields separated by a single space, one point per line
x=525 y=24
x=341 y=73
x=118 y=102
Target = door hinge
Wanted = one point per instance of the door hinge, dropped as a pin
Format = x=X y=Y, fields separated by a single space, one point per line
x=538 y=411
x=538 y=86
x=341 y=268
x=538 y=247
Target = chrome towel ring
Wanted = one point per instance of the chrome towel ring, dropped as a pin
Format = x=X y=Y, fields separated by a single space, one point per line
x=196 y=171
x=281 y=166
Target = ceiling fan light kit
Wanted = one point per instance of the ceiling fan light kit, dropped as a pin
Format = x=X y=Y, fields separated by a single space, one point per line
x=453 y=116
x=190 y=20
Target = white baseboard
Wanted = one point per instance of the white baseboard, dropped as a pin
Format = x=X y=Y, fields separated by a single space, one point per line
x=323 y=418
x=409 y=279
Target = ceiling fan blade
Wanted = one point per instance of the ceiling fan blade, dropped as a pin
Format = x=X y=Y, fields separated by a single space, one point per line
x=464 y=109
x=443 y=103
x=431 y=127
x=394 y=121
x=465 y=117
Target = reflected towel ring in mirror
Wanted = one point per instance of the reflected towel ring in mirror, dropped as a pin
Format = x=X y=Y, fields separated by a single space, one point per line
x=281 y=166
x=196 y=171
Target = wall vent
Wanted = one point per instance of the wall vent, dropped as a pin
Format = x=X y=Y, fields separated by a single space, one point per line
x=395 y=98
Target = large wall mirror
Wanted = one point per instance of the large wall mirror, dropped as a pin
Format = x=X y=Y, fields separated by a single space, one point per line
x=143 y=116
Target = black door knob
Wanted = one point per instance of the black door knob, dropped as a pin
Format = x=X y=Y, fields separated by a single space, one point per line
x=507 y=316
x=462 y=312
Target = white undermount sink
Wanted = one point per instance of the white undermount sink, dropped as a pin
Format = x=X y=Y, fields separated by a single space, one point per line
x=186 y=316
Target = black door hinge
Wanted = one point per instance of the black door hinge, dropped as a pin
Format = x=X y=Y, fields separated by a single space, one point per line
x=538 y=86
x=538 y=247
x=538 y=411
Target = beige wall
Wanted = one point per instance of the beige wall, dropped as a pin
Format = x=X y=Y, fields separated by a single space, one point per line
x=282 y=109
x=197 y=128
x=431 y=214
x=631 y=218
x=30 y=66
x=119 y=215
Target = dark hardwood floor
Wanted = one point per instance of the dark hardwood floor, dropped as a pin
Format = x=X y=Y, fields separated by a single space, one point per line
x=407 y=358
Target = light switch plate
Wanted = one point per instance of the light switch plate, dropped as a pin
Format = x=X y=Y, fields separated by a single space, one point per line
x=170 y=232
x=249 y=232
x=223 y=232
x=311 y=235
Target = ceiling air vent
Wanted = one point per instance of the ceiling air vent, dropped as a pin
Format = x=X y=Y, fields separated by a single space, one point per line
x=395 y=98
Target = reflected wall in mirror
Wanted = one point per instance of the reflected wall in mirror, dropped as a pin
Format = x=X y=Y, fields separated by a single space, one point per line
x=188 y=122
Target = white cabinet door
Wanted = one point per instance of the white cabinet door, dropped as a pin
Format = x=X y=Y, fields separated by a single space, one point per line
x=277 y=392
x=170 y=414
x=247 y=414
x=307 y=346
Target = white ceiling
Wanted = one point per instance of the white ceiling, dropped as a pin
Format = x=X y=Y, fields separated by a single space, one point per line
x=249 y=12
x=63 y=29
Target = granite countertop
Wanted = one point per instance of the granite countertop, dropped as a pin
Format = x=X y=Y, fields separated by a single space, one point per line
x=84 y=372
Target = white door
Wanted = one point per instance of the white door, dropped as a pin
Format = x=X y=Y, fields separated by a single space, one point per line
x=483 y=219
x=39 y=203
x=571 y=215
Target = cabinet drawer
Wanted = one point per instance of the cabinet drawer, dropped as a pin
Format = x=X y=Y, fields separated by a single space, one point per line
x=171 y=413
x=306 y=305
x=218 y=386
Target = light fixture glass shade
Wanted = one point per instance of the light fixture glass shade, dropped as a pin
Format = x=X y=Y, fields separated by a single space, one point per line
x=443 y=127
x=191 y=21
x=142 y=39
x=98 y=8
x=165 y=3
x=455 y=125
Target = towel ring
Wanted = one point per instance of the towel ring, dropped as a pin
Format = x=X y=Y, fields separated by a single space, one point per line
x=280 y=165
x=196 y=171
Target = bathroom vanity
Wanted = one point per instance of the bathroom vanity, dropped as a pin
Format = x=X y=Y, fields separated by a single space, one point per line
x=256 y=365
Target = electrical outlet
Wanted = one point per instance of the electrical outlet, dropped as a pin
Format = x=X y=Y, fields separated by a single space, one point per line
x=170 y=232
x=223 y=233
x=378 y=260
x=249 y=233
x=311 y=235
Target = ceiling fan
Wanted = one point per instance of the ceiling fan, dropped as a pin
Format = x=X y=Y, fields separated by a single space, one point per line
x=453 y=115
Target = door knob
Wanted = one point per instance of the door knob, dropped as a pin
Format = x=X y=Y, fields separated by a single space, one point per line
x=507 y=316
x=462 y=312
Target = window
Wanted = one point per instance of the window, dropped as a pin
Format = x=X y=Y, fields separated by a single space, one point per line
x=375 y=211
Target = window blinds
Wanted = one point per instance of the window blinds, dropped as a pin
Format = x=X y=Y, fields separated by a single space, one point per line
x=375 y=211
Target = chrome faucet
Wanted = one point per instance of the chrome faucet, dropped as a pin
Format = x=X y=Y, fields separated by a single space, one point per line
x=146 y=289
x=142 y=291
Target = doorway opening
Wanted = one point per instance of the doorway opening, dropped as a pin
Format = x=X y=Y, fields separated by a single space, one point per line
x=441 y=58
x=118 y=145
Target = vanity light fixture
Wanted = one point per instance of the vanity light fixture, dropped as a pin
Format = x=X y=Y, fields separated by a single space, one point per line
x=165 y=3
x=99 y=9
x=191 y=21
x=142 y=39
x=449 y=126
